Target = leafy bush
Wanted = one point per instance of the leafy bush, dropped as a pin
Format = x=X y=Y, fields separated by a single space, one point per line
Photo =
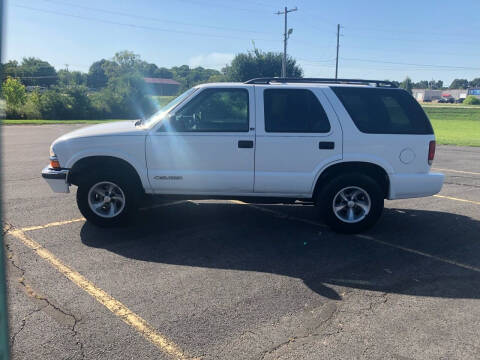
x=471 y=100
x=15 y=96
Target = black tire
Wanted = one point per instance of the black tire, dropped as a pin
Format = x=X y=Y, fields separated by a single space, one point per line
x=351 y=182
x=131 y=195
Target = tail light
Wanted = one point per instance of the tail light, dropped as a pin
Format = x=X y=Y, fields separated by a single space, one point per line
x=431 y=152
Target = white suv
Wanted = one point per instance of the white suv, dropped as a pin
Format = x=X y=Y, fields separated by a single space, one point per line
x=344 y=144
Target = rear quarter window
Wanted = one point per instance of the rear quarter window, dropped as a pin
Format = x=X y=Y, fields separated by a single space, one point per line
x=384 y=111
x=294 y=111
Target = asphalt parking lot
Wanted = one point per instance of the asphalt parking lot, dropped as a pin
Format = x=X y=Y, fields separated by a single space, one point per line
x=229 y=280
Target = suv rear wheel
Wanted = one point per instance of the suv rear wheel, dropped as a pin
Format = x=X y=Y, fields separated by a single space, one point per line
x=351 y=203
x=106 y=199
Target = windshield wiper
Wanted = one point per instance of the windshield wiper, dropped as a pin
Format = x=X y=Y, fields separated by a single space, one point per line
x=139 y=122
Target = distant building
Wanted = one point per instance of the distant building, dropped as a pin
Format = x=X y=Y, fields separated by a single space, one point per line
x=432 y=95
x=474 y=92
x=426 y=94
x=162 y=87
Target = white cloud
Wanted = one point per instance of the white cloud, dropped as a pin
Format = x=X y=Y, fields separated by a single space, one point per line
x=213 y=60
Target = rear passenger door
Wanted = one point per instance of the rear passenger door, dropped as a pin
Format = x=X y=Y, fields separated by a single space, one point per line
x=297 y=134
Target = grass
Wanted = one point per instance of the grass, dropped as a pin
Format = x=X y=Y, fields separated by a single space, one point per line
x=47 y=122
x=435 y=105
x=455 y=125
x=163 y=100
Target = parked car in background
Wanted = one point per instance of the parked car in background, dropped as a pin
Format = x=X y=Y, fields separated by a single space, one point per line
x=345 y=145
x=446 y=100
x=459 y=101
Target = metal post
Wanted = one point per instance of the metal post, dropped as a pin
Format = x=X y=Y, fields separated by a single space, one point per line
x=338 y=46
x=285 y=39
x=284 y=61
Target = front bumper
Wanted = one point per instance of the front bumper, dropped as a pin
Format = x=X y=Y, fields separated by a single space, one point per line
x=56 y=179
x=403 y=186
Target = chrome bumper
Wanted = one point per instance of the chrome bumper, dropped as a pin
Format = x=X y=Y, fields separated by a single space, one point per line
x=56 y=179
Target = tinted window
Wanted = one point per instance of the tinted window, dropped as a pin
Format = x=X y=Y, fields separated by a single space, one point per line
x=294 y=110
x=384 y=111
x=214 y=110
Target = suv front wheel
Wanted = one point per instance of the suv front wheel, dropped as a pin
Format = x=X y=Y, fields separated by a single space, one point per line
x=351 y=203
x=106 y=199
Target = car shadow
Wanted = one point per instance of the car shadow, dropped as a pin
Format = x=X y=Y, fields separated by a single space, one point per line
x=228 y=236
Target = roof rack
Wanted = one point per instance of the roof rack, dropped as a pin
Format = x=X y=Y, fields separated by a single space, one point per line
x=269 y=80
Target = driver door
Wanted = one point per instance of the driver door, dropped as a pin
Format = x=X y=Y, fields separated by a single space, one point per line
x=206 y=146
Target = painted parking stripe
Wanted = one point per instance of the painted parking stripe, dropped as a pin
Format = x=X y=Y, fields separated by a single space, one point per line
x=457 y=199
x=367 y=237
x=60 y=223
x=418 y=252
x=163 y=205
x=279 y=214
x=115 y=306
x=56 y=223
x=457 y=171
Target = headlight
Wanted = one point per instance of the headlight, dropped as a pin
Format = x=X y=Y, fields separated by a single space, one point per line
x=52 y=153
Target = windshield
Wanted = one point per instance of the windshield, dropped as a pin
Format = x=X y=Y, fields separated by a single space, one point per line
x=160 y=114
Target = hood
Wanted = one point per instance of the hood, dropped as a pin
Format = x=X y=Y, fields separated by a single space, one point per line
x=124 y=128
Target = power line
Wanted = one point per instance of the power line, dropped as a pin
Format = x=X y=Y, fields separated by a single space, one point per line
x=411 y=40
x=139 y=26
x=414 y=64
x=417 y=51
x=136 y=16
x=286 y=35
x=405 y=31
x=203 y=3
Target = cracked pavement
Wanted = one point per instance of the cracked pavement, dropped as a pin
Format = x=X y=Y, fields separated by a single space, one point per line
x=227 y=281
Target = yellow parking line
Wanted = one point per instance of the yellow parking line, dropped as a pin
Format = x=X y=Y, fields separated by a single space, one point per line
x=418 y=252
x=56 y=223
x=457 y=199
x=279 y=214
x=457 y=171
x=115 y=306
x=163 y=205
x=367 y=237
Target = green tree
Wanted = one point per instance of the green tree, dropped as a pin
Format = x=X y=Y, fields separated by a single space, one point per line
x=423 y=84
x=96 y=77
x=407 y=84
x=14 y=93
x=471 y=100
x=475 y=83
x=36 y=72
x=163 y=73
x=217 y=78
x=189 y=77
x=11 y=69
x=257 y=63
x=69 y=78
x=435 y=85
x=459 y=84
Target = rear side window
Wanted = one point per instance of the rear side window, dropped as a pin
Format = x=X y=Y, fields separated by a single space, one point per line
x=384 y=111
x=294 y=111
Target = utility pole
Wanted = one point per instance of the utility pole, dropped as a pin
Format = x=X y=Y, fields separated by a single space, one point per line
x=338 y=47
x=286 y=35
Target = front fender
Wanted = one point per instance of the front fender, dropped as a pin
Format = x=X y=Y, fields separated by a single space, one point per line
x=130 y=149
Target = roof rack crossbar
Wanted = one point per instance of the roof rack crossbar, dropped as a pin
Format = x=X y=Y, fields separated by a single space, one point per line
x=269 y=80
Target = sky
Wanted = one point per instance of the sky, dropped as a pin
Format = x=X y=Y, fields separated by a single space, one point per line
x=380 y=39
